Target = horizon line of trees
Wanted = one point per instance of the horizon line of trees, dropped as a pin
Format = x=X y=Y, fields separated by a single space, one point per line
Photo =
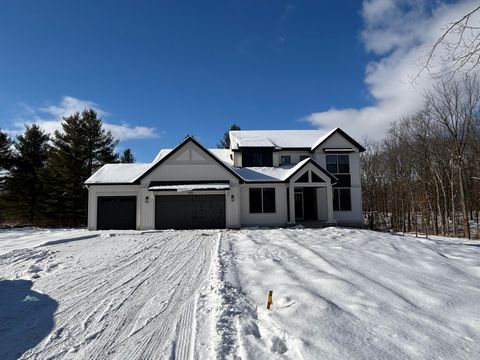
x=424 y=176
x=42 y=176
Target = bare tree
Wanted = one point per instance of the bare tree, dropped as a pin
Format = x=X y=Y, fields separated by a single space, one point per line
x=461 y=43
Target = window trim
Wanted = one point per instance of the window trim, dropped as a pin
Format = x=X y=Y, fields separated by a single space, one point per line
x=339 y=201
x=337 y=163
x=262 y=189
x=284 y=162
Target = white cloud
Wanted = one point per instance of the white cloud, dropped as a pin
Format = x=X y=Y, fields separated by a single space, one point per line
x=400 y=33
x=49 y=118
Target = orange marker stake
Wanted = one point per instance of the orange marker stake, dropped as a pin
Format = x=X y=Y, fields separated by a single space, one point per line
x=270 y=299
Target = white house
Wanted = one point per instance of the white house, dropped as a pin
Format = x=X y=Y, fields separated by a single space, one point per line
x=266 y=178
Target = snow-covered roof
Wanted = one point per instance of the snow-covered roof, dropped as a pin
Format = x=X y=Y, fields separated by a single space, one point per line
x=117 y=173
x=223 y=155
x=269 y=173
x=277 y=138
x=190 y=187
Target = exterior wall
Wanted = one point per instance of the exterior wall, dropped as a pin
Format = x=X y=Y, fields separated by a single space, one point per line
x=355 y=216
x=190 y=163
x=237 y=158
x=111 y=190
x=294 y=154
x=278 y=218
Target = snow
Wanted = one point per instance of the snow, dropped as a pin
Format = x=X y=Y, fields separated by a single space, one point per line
x=190 y=187
x=117 y=173
x=269 y=173
x=19 y=238
x=254 y=141
x=279 y=138
x=223 y=155
x=337 y=294
x=124 y=296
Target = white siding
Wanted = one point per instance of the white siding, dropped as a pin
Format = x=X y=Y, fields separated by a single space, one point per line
x=191 y=163
x=294 y=156
x=111 y=190
x=355 y=216
x=279 y=218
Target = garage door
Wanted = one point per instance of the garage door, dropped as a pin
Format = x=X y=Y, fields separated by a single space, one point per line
x=189 y=211
x=116 y=212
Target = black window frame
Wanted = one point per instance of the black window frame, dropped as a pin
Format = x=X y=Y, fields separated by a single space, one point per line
x=268 y=195
x=285 y=162
x=340 y=199
x=337 y=166
x=303 y=157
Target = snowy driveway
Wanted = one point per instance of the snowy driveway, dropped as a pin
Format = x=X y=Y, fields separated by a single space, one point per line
x=125 y=296
x=337 y=294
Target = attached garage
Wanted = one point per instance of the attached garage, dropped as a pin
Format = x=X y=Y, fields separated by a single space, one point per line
x=190 y=211
x=116 y=212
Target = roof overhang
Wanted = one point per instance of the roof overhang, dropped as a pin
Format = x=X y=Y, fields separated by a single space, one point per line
x=186 y=186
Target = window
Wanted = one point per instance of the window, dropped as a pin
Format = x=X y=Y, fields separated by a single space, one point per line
x=303 y=157
x=257 y=157
x=285 y=159
x=338 y=164
x=342 y=200
x=262 y=200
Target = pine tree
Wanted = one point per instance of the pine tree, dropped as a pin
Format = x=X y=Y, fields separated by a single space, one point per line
x=127 y=157
x=5 y=151
x=24 y=185
x=78 y=151
x=225 y=142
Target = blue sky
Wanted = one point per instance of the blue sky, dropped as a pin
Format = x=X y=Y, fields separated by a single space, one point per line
x=158 y=70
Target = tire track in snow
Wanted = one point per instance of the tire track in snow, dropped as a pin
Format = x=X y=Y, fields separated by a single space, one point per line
x=125 y=297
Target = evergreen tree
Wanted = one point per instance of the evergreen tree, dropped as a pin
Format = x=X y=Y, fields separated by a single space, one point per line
x=225 y=142
x=6 y=157
x=78 y=150
x=24 y=185
x=127 y=157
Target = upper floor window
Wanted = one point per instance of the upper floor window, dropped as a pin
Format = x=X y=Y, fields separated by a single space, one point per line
x=257 y=157
x=285 y=159
x=262 y=200
x=338 y=164
x=303 y=157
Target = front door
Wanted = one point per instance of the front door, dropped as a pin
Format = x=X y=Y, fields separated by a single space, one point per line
x=299 y=204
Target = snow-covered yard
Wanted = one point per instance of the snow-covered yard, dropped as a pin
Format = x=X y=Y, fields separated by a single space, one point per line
x=337 y=294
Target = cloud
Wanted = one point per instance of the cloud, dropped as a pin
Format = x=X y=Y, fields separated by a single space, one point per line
x=399 y=34
x=49 y=118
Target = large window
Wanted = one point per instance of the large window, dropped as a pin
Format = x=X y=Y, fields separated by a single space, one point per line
x=338 y=164
x=341 y=200
x=262 y=200
x=257 y=157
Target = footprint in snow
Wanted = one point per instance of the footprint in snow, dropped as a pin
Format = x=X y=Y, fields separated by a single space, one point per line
x=278 y=346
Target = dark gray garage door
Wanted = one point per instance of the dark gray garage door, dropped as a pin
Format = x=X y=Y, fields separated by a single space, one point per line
x=189 y=211
x=116 y=212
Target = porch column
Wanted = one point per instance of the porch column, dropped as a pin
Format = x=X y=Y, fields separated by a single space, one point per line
x=291 y=204
x=330 y=217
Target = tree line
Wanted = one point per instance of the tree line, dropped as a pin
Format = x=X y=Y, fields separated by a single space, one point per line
x=42 y=176
x=424 y=176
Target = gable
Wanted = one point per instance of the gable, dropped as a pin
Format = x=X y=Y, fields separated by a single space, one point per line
x=339 y=139
x=189 y=162
x=312 y=172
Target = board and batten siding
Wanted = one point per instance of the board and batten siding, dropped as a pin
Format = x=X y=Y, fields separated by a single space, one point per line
x=355 y=216
x=278 y=218
x=191 y=164
x=94 y=191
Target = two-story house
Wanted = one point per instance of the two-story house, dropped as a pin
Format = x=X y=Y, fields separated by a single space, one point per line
x=265 y=178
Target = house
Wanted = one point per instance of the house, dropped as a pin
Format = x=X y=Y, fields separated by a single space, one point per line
x=266 y=178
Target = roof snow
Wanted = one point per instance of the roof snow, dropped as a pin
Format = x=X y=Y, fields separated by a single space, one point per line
x=117 y=173
x=278 y=138
x=269 y=173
